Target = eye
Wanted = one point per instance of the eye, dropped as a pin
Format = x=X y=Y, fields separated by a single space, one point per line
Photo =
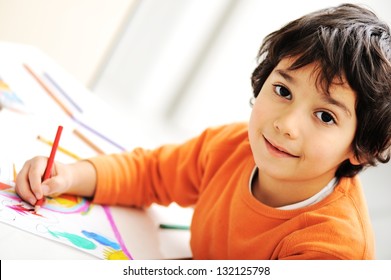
x=325 y=117
x=283 y=92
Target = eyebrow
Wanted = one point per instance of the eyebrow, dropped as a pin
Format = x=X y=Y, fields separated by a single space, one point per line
x=337 y=103
x=285 y=75
x=325 y=97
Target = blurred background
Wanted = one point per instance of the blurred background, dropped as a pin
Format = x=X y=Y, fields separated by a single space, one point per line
x=172 y=68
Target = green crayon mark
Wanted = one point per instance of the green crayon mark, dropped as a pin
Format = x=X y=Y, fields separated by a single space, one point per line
x=75 y=239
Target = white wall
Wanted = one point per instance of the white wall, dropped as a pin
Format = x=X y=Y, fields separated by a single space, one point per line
x=78 y=34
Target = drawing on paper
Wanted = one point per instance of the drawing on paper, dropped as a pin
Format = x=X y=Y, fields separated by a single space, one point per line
x=67 y=219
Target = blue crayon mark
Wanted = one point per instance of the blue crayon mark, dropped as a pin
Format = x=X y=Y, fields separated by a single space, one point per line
x=74 y=239
x=101 y=239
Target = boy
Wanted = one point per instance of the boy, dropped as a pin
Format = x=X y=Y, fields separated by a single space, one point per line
x=283 y=186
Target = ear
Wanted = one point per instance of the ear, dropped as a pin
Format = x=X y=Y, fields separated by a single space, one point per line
x=355 y=160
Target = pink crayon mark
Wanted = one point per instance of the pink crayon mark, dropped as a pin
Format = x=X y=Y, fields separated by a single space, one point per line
x=10 y=193
x=116 y=232
x=20 y=209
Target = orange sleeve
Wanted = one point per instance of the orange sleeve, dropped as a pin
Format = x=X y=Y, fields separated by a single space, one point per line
x=171 y=173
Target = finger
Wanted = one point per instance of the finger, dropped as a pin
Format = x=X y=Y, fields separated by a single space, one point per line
x=49 y=190
x=22 y=185
x=36 y=171
x=53 y=186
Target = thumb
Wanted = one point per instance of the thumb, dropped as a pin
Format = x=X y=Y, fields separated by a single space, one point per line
x=53 y=186
x=45 y=189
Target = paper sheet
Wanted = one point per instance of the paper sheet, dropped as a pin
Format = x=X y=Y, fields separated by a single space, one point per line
x=71 y=220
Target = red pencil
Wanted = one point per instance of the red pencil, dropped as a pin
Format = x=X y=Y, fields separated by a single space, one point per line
x=49 y=165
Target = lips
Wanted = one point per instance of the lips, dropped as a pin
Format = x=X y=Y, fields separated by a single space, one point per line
x=278 y=151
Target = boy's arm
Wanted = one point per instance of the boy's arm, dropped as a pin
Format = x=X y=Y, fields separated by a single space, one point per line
x=142 y=177
x=83 y=179
x=170 y=173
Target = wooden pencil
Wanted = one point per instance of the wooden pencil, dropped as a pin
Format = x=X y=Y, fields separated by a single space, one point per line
x=49 y=165
x=88 y=142
x=61 y=149
x=48 y=91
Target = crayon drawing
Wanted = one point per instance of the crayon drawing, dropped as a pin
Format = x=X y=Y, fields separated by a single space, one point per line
x=71 y=220
x=9 y=99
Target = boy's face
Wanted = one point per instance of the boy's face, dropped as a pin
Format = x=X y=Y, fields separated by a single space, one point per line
x=297 y=133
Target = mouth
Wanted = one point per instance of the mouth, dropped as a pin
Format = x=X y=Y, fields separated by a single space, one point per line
x=278 y=151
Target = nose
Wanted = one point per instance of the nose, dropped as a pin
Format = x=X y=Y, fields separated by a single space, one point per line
x=288 y=122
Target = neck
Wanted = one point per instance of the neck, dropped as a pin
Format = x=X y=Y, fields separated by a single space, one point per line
x=276 y=193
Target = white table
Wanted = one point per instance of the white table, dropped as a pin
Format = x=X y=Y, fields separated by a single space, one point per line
x=139 y=228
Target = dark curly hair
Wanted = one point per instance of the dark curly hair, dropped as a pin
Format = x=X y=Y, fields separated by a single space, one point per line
x=347 y=41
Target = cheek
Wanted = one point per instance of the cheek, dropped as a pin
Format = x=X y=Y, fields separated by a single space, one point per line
x=261 y=110
x=256 y=121
x=328 y=150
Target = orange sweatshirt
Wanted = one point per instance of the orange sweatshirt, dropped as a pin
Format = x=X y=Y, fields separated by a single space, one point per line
x=212 y=173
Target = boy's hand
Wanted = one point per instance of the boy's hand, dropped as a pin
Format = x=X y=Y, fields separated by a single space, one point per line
x=29 y=185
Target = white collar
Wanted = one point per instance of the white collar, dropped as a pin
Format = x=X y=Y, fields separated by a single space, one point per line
x=328 y=189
